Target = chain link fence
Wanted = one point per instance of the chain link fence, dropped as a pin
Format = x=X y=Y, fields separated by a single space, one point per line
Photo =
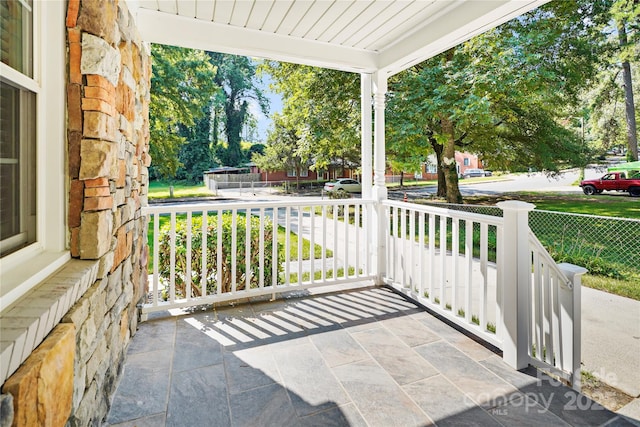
x=607 y=246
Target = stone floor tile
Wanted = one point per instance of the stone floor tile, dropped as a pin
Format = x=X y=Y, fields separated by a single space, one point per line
x=150 y=421
x=377 y=396
x=461 y=341
x=144 y=386
x=622 y=421
x=480 y=384
x=338 y=347
x=331 y=359
x=395 y=306
x=263 y=406
x=250 y=368
x=199 y=398
x=525 y=411
x=410 y=330
x=327 y=312
x=518 y=379
x=574 y=408
x=277 y=322
x=356 y=307
x=339 y=416
x=438 y=397
x=272 y=306
x=153 y=335
x=398 y=359
x=193 y=348
x=225 y=311
x=305 y=318
x=474 y=417
x=365 y=304
x=632 y=411
x=308 y=380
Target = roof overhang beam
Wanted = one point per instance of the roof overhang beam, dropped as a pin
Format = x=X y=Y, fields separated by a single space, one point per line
x=175 y=30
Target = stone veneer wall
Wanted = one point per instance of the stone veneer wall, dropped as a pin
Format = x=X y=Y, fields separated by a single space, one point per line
x=108 y=136
x=108 y=85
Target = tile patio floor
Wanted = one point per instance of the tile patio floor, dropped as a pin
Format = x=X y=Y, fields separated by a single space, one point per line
x=363 y=357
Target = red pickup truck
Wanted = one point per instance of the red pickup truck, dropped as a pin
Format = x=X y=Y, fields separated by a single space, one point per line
x=614 y=181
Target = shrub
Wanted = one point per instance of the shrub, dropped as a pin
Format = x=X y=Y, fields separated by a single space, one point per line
x=212 y=268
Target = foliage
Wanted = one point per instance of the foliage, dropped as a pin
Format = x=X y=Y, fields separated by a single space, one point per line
x=212 y=268
x=181 y=86
x=282 y=151
x=611 y=101
x=195 y=154
x=322 y=107
x=236 y=77
x=502 y=94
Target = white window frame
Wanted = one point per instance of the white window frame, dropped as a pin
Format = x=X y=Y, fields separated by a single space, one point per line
x=304 y=173
x=20 y=271
x=291 y=173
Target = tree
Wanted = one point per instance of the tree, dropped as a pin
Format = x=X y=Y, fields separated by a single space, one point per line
x=502 y=94
x=195 y=154
x=282 y=151
x=182 y=84
x=620 y=43
x=236 y=77
x=325 y=107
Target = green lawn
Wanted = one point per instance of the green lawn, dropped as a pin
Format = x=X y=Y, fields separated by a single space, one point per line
x=600 y=252
x=160 y=190
x=629 y=288
x=603 y=205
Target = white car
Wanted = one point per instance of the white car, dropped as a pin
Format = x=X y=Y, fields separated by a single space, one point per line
x=469 y=173
x=347 y=184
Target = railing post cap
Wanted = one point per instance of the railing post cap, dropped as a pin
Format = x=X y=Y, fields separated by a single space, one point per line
x=572 y=269
x=516 y=205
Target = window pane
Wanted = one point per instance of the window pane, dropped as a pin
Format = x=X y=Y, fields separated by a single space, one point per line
x=16 y=35
x=17 y=169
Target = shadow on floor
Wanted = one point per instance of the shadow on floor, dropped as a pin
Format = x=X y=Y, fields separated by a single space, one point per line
x=365 y=357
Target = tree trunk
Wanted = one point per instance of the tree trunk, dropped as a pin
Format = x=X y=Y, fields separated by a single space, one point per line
x=632 y=136
x=449 y=162
x=401 y=179
x=442 y=185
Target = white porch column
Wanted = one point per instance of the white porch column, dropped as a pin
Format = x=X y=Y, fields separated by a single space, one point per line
x=379 y=190
x=379 y=92
x=366 y=178
x=516 y=276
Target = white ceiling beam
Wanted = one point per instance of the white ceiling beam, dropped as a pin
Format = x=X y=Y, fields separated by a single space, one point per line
x=175 y=30
x=453 y=27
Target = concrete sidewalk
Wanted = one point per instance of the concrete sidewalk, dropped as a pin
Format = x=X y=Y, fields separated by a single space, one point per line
x=611 y=343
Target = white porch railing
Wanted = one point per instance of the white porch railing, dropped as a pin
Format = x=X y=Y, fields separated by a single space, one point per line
x=446 y=260
x=207 y=253
x=487 y=274
x=491 y=276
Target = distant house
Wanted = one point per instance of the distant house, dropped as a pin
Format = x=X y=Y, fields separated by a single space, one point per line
x=283 y=175
x=334 y=171
x=464 y=161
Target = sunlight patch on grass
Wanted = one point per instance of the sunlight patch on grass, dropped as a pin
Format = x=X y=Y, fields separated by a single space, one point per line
x=160 y=190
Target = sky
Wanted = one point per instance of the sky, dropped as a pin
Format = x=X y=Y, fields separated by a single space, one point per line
x=275 y=105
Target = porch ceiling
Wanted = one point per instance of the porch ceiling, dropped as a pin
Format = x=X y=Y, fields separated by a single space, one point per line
x=349 y=35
